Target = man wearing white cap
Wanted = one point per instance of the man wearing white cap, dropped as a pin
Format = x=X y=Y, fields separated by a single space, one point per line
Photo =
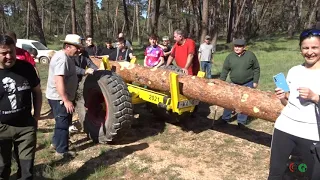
x=61 y=91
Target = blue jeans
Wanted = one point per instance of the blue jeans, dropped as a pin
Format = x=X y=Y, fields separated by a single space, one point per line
x=206 y=67
x=241 y=118
x=60 y=138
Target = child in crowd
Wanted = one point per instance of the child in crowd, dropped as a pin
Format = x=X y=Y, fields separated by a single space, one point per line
x=154 y=56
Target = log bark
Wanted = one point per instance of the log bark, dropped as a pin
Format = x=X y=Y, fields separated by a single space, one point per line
x=253 y=102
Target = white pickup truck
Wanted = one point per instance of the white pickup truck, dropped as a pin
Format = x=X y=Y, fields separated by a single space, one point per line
x=43 y=52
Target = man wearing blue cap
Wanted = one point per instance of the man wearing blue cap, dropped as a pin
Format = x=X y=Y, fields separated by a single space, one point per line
x=244 y=70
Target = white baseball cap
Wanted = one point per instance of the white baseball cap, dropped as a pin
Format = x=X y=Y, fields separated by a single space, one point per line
x=73 y=39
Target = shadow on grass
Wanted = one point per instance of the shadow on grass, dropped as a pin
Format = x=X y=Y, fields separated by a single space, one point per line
x=144 y=125
x=201 y=123
x=104 y=160
x=42 y=171
x=215 y=76
x=45 y=130
x=258 y=137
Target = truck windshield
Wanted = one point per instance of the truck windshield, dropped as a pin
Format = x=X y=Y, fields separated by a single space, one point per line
x=39 y=46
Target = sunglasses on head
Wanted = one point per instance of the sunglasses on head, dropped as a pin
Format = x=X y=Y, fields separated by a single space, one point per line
x=313 y=32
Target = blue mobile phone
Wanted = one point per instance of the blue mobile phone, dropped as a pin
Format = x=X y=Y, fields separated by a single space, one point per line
x=281 y=82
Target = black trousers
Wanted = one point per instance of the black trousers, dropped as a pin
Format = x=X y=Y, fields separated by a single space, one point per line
x=24 y=141
x=281 y=148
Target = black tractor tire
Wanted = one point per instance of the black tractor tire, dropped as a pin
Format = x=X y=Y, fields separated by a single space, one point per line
x=79 y=102
x=108 y=107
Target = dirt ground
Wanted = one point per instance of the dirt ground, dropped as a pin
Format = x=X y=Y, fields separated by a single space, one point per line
x=156 y=149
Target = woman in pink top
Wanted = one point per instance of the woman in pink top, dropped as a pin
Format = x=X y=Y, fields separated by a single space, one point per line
x=153 y=53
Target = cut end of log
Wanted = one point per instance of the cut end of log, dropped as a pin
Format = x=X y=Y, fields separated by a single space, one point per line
x=126 y=65
x=211 y=84
x=244 y=97
x=256 y=110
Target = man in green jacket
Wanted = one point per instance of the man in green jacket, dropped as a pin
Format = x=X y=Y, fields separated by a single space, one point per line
x=244 y=70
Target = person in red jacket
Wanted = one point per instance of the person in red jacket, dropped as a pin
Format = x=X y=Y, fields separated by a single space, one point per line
x=21 y=54
x=185 y=54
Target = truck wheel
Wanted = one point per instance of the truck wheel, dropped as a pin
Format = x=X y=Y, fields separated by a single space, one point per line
x=44 y=60
x=108 y=106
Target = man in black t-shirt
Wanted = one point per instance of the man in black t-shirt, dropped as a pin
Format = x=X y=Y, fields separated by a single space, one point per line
x=122 y=53
x=19 y=86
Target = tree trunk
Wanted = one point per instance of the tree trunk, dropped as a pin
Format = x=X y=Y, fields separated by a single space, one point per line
x=170 y=28
x=293 y=18
x=98 y=25
x=214 y=25
x=73 y=17
x=312 y=14
x=239 y=15
x=42 y=15
x=138 y=24
x=155 y=16
x=37 y=21
x=205 y=20
x=28 y=21
x=249 y=101
x=5 y=24
x=50 y=20
x=148 y=16
x=133 y=23
x=88 y=17
x=65 y=24
x=230 y=21
x=126 y=17
x=115 y=24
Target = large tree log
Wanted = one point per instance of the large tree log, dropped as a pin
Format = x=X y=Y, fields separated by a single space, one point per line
x=253 y=102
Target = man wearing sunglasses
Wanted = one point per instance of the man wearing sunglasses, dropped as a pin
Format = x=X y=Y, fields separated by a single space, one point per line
x=244 y=70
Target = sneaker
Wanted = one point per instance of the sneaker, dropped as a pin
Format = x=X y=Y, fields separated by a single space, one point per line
x=68 y=154
x=73 y=129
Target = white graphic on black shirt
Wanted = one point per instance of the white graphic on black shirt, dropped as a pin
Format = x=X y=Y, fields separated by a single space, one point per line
x=9 y=86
